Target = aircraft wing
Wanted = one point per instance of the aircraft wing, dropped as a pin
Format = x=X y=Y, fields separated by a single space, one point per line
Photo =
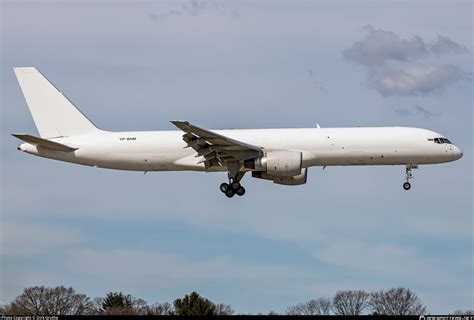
x=215 y=148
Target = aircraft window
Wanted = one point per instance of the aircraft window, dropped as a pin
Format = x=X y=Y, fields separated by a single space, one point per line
x=440 y=140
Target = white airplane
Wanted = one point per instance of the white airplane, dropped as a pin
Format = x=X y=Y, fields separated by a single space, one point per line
x=280 y=155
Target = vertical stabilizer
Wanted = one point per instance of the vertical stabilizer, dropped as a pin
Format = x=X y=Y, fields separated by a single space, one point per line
x=53 y=113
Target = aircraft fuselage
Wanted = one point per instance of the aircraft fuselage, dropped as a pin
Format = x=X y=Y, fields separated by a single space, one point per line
x=166 y=150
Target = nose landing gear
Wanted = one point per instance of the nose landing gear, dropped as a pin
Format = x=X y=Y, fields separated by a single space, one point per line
x=409 y=175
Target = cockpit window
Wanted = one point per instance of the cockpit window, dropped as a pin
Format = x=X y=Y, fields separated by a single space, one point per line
x=440 y=140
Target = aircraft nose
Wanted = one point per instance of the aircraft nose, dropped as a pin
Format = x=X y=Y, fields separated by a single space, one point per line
x=457 y=153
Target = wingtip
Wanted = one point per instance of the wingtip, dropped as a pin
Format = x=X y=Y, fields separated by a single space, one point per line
x=179 y=123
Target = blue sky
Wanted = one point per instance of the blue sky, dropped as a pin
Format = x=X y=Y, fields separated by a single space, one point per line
x=241 y=64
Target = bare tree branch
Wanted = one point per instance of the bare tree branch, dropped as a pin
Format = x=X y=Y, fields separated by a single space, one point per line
x=349 y=302
x=223 y=310
x=396 y=301
x=161 y=309
x=320 y=306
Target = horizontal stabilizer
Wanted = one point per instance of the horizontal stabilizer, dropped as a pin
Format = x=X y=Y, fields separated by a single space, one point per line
x=48 y=144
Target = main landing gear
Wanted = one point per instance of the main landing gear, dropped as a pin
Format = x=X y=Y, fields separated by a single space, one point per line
x=409 y=175
x=233 y=187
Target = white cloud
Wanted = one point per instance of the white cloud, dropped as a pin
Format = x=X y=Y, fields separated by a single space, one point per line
x=378 y=46
x=391 y=70
x=446 y=45
x=410 y=79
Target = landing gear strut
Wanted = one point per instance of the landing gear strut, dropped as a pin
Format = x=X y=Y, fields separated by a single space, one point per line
x=233 y=187
x=408 y=176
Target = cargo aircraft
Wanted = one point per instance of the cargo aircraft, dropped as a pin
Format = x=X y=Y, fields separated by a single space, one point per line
x=279 y=155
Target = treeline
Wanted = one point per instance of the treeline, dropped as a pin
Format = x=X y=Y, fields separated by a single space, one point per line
x=66 y=301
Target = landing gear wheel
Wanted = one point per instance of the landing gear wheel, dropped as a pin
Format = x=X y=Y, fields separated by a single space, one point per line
x=224 y=187
x=230 y=193
x=240 y=191
x=235 y=185
x=407 y=186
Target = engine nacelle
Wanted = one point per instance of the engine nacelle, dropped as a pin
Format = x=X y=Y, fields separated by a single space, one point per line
x=277 y=163
x=289 y=181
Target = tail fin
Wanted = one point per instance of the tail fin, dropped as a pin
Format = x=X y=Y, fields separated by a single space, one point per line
x=53 y=113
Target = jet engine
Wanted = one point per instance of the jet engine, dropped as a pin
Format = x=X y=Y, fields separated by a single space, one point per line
x=277 y=163
x=280 y=166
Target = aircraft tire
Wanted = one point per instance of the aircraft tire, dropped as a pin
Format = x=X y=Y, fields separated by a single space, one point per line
x=407 y=186
x=235 y=185
x=230 y=193
x=224 y=187
x=240 y=191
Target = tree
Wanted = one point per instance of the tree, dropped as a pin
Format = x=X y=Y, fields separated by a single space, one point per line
x=47 y=301
x=223 y=310
x=12 y=309
x=140 y=307
x=194 y=305
x=320 y=306
x=396 y=301
x=117 y=303
x=349 y=302
x=97 y=305
x=161 y=309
